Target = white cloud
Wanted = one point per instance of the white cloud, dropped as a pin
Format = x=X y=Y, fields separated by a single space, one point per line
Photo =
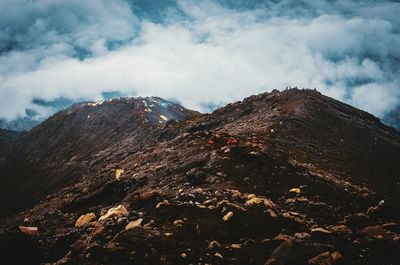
x=376 y=98
x=216 y=55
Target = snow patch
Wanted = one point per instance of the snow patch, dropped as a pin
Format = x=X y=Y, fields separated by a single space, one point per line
x=93 y=104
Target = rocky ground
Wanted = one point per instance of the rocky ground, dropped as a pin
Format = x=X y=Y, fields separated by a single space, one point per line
x=288 y=177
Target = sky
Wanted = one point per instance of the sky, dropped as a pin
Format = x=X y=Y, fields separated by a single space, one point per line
x=201 y=54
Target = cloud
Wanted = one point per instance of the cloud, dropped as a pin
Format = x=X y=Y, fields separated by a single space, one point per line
x=199 y=53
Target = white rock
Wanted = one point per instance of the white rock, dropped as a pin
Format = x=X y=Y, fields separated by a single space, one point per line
x=29 y=230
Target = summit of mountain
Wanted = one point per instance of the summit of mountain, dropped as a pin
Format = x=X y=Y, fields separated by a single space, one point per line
x=287 y=177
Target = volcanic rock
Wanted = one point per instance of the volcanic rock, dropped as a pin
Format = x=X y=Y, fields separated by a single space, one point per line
x=134 y=224
x=326 y=258
x=198 y=179
x=115 y=212
x=85 y=219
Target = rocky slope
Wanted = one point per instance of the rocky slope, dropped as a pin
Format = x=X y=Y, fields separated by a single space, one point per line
x=58 y=151
x=288 y=177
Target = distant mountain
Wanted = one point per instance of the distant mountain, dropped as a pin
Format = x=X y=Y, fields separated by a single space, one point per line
x=291 y=177
x=8 y=135
x=19 y=124
x=33 y=118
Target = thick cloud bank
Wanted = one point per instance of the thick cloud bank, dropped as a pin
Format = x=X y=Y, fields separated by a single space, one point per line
x=199 y=53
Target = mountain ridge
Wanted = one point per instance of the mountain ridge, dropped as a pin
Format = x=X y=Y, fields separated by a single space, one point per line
x=260 y=177
x=32 y=119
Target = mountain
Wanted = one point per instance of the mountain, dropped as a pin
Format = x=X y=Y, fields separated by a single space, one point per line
x=59 y=150
x=41 y=109
x=20 y=124
x=8 y=135
x=32 y=117
x=291 y=177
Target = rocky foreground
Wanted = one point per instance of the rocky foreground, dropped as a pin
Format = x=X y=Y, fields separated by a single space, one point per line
x=288 y=177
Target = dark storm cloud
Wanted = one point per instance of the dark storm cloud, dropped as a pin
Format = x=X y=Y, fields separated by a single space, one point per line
x=200 y=53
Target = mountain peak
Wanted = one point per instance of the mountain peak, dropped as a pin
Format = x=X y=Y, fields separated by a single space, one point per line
x=73 y=136
x=258 y=179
